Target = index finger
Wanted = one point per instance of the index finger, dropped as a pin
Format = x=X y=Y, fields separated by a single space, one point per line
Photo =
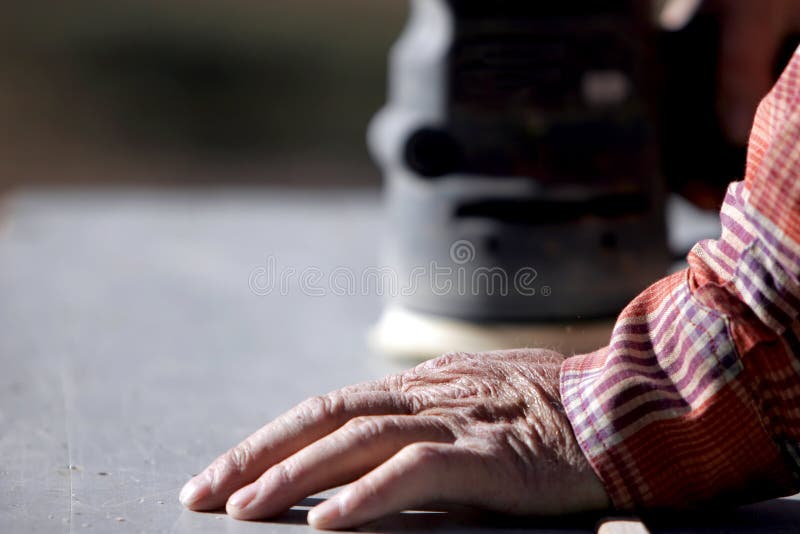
x=304 y=424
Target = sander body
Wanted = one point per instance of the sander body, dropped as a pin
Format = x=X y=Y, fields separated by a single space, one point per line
x=523 y=192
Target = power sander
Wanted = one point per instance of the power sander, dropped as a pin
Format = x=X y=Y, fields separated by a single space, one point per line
x=523 y=190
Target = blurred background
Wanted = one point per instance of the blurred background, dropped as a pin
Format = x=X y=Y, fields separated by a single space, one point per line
x=171 y=91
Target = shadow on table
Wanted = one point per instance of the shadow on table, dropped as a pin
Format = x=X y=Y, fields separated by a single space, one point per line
x=777 y=515
x=453 y=519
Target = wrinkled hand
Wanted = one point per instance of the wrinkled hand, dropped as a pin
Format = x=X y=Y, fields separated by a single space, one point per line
x=478 y=429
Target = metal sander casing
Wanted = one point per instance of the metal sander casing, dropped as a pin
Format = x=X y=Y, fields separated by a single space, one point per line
x=520 y=131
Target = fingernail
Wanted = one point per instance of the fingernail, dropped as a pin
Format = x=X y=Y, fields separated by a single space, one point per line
x=325 y=514
x=194 y=490
x=242 y=498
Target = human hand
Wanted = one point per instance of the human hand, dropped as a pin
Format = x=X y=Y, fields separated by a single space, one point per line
x=483 y=429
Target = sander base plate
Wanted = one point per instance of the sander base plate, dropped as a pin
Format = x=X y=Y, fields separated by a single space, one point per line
x=409 y=335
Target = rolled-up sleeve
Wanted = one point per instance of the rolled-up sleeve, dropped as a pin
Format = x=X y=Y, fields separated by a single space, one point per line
x=697 y=396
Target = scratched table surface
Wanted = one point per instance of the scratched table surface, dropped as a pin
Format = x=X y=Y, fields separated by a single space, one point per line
x=139 y=338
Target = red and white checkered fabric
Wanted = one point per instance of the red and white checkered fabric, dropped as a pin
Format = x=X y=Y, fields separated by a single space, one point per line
x=697 y=396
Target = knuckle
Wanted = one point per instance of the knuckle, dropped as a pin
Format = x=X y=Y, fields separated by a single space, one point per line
x=417 y=401
x=240 y=457
x=451 y=423
x=425 y=454
x=394 y=382
x=364 y=427
x=321 y=408
x=281 y=474
x=445 y=360
x=233 y=462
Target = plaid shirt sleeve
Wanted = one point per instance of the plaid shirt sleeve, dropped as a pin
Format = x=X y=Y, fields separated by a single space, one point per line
x=697 y=397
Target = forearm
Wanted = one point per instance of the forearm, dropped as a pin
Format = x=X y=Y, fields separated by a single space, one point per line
x=695 y=397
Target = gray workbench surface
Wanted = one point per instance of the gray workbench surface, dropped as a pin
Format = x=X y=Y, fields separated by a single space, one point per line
x=133 y=350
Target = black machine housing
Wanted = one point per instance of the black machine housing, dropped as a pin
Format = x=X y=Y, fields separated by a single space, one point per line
x=519 y=136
